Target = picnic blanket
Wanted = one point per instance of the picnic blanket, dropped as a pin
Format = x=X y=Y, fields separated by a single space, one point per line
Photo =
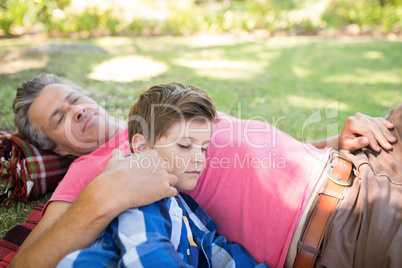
x=11 y=242
x=27 y=171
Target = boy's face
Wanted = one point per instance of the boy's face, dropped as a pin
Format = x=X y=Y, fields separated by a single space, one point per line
x=184 y=147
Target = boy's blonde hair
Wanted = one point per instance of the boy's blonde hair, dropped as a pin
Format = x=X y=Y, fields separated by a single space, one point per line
x=158 y=108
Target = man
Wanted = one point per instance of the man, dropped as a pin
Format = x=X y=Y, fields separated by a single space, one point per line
x=72 y=222
x=43 y=112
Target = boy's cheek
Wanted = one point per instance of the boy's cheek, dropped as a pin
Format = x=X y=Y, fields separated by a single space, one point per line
x=166 y=165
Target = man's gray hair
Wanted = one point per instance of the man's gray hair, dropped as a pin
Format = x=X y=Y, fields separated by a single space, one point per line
x=25 y=97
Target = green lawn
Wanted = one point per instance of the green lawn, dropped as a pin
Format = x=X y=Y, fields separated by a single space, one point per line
x=283 y=81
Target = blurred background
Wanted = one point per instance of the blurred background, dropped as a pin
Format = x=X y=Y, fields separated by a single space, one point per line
x=83 y=18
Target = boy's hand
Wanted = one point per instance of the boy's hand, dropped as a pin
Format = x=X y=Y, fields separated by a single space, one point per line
x=137 y=180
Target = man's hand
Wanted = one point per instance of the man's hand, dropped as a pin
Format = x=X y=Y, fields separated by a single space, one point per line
x=137 y=180
x=126 y=182
x=362 y=130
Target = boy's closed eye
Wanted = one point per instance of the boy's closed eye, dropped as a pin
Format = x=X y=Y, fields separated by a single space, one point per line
x=184 y=146
x=189 y=146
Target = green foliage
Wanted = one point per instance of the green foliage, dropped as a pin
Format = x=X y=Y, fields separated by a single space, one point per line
x=191 y=19
x=45 y=9
x=62 y=26
x=110 y=22
x=6 y=20
x=57 y=17
x=391 y=18
x=144 y=27
x=61 y=3
x=23 y=12
x=26 y=13
x=364 y=13
x=137 y=27
x=305 y=25
x=88 y=21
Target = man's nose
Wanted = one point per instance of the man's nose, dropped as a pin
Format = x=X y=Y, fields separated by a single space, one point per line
x=76 y=111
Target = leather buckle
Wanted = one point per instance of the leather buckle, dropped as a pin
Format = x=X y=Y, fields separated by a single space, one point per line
x=337 y=179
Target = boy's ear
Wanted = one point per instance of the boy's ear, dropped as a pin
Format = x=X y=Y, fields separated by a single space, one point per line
x=138 y=143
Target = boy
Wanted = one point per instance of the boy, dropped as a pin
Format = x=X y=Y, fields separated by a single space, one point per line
x=176 y=121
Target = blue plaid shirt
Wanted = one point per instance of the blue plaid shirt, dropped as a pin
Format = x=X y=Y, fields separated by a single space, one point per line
x=174 y=232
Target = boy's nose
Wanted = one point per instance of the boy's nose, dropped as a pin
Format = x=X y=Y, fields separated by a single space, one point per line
x=199 y=157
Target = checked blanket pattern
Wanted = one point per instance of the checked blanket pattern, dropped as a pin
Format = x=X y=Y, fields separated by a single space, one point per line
x=11 y=242
x=26 y=171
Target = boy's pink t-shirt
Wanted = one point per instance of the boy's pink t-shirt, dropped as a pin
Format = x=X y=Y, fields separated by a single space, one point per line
x=256 y=184
x=86 y=168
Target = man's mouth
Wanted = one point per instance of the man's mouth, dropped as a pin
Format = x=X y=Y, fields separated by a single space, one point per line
x=88 y=121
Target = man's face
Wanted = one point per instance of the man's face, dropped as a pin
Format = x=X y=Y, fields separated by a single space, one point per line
x=184 y=149
x=75 y=122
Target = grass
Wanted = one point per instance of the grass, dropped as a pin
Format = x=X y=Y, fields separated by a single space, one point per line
x=18 y=213
x=280 y=80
